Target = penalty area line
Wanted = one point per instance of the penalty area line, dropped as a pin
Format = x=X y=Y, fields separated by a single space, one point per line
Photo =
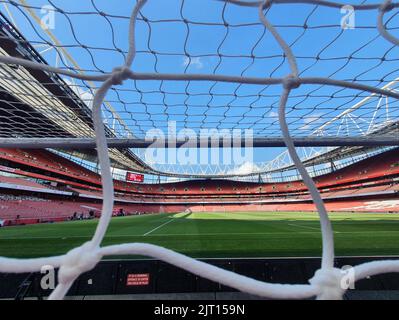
x=160 y=226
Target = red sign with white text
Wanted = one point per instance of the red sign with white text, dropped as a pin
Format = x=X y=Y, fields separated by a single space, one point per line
x=138 y=279
x=134 y=177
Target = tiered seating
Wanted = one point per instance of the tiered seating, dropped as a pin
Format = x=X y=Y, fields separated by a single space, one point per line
x=386 y=205
x=369 y=185
x=380 y=166
x=17 y=182
x=51 y=162
x=22 y=211
x=38 y=209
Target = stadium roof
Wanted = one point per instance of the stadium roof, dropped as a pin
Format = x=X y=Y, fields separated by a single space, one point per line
x=35 y=104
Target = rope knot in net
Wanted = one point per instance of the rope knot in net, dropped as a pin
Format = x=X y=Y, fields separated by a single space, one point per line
x=78 y=261
x=387 y=6
x=120 y=74
x=291 y=82
x=267 y=4
x=328 y=281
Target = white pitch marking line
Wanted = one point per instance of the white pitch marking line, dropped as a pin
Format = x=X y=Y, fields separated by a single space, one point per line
x=163 y=224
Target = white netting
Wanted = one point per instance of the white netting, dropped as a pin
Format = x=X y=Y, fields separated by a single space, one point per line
x=326 y=283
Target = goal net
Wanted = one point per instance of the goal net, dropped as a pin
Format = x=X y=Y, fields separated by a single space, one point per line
x=259 y=71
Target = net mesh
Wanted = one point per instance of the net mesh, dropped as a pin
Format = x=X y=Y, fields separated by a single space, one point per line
x=168 y=37
x=327 y=281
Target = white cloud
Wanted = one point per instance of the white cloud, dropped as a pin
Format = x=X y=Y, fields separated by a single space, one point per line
x=245 y=168
x=193 y=62
x=310 y=121
x=273 y=114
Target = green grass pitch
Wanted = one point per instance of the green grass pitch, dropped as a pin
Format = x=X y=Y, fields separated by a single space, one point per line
x=219 y=234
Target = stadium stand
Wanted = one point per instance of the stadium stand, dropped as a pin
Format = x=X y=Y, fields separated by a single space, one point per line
x=18 y=182
x=49 y=162
x=382 y=165
x=370 y=185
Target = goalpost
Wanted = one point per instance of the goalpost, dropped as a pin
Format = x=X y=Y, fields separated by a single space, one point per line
x=327 y=281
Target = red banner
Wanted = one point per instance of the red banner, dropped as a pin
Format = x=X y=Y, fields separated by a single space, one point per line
x=134 y=177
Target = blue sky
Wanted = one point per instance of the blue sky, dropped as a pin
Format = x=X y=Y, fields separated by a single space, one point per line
x=222 y=39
